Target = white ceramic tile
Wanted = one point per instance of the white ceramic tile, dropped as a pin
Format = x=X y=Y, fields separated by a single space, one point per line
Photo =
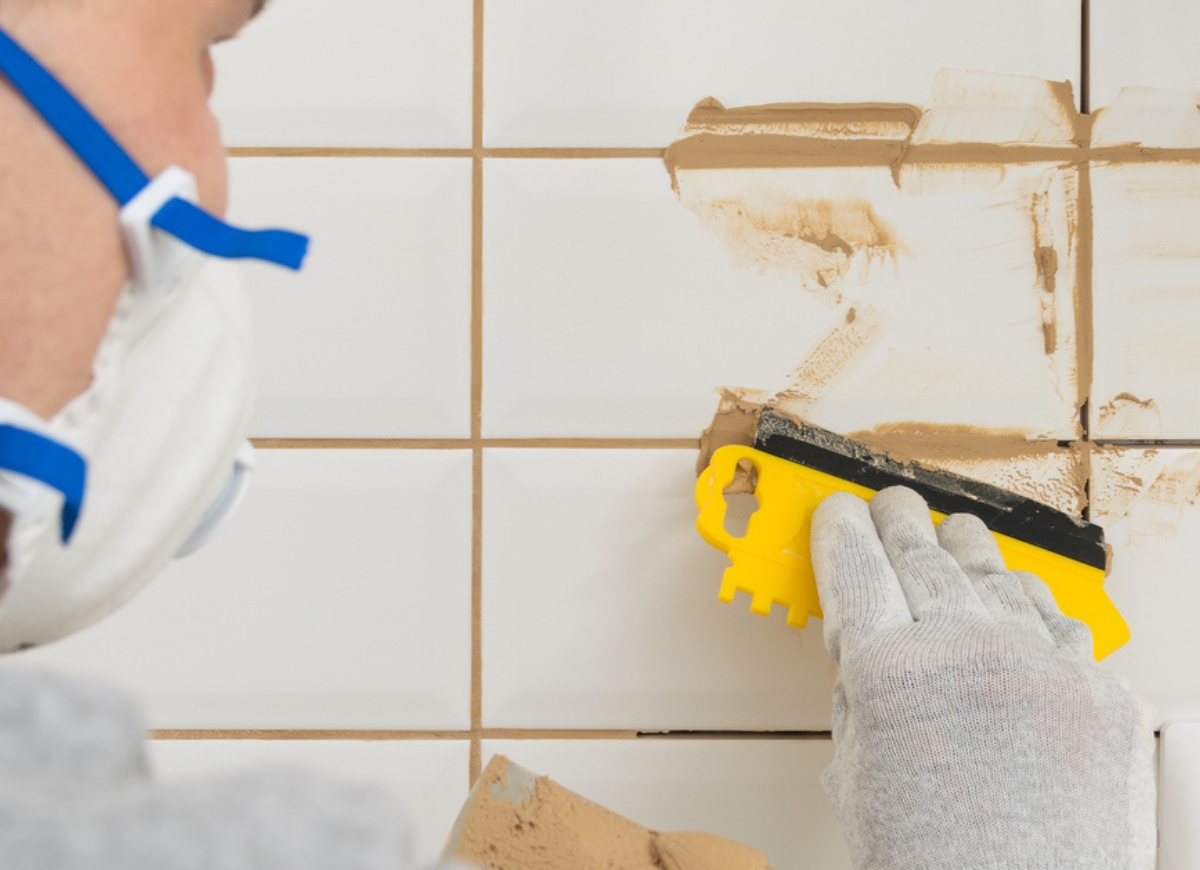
x=1147 y=300
x=426 y=779
x=626 y=72
x=611 y=310
x=1146 y=44
x=763 y=793
x=1179 y=796
x=338 y=597
x=600 y=605
x=372 y=338
x=1145 y=499
x=360 y=73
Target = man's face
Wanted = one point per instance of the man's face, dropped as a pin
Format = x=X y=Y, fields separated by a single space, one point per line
x=144 y=68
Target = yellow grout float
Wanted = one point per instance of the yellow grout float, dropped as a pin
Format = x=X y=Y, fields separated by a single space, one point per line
x=798 y=465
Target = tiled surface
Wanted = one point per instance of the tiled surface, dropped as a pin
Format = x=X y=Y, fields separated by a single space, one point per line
x=626 y=72
x=763 y=793
x=1147 y=299
x=1146 y=44
x=372 y=338
x=635 y=306
x=426 y=779
x=600 y=605
x=360 y=73
x=640 y=313
x=339 y=597
x=1146 y=500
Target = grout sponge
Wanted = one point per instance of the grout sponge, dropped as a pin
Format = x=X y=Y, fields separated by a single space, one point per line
x=516 y=820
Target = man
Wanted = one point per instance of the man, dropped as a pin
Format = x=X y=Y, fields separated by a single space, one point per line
x=973 y=730
x=95 y=327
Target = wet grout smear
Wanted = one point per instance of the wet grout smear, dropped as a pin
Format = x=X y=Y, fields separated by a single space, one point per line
x=1039 y=470
x=1143 y=494
x=1126 y=413
x=841 y=348
x=819 y=240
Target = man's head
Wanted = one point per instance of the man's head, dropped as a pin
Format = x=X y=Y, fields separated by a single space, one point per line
x=144 y=69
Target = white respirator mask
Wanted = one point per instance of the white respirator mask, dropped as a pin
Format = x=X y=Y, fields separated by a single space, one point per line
x=150 y=460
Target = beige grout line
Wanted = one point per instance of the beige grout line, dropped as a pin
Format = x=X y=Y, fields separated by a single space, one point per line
x=475 y=764
x=873 y=154
x=558 y=734
x=596 y=443
x=601 y=443
x=476 y=151
x=285 y=151
x=1085 y=323
x=363 y=443
x=475 y=440
x=574 y=153
x=302 y=734
x=473 y=735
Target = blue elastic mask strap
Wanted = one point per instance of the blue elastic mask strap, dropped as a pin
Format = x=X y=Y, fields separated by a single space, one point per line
x=52 y=463
x=117 y=171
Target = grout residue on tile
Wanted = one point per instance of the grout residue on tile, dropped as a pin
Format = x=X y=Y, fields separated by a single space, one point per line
x=1125 y=413
x=897 y=208
x=990 y=178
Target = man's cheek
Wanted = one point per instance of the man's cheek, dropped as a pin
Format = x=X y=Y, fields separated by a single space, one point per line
x=208 y=73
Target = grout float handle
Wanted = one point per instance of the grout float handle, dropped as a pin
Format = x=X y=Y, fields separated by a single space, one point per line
x=772 y=561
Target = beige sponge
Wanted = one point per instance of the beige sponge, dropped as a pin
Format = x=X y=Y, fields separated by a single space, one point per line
x=516 y=820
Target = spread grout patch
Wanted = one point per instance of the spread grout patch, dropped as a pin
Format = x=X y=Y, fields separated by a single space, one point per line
x=953 y=245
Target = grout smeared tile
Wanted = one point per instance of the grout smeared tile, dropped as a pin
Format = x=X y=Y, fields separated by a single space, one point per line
x=1151 y=43
x=1044 y=471
x=1146 y=499
x=968 y=106
x=947 y=240
x=1148 y=118
x=1145 y=184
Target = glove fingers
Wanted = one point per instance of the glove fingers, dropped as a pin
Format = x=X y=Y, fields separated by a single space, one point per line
x=930 y=578
x=859 y=590
x=1067 y=633
x=967 y=539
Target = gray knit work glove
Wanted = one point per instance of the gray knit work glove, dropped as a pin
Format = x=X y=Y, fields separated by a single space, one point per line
x=973 y=729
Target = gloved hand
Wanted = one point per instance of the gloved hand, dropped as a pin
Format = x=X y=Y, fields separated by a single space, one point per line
x=973 y=729
x=76 y=794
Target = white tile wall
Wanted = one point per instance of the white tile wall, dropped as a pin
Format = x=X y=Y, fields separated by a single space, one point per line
x=600 y=605
x=1154 y=581
x=763 y=793
x=358 y=73
x=1146 y=293
x=626 y=72
x=1146 y=44
x=427 y=779
x=339 y=597
x=608 y=312
x=611 y=312
x=372 y=338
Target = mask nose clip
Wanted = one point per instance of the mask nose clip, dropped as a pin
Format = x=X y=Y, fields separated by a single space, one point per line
x=155 y=257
